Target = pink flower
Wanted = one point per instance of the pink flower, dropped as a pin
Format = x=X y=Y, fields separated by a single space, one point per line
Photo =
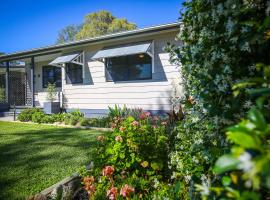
x=112 y=193
x=88 y=184
x=107 y=171
x=164 y=123
x=100 y=138
x=126 y=190
x=113 y=125
x=118 y=138
x=122 y=129
x=145 y=115
x=135 y=123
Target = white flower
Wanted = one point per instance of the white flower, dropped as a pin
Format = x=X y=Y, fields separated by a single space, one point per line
x=156 y=183
x=187 y=178
x=245 y=47
x=229 y=25
x=247 y=104
x=245 y=162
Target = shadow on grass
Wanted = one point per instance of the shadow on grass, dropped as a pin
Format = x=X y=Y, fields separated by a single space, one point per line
x=34 y=157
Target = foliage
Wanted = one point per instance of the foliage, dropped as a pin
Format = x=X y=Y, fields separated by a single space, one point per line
x=221 y=42
x=245 y=169
x=96 y=122
x=95 y=24
x=26 y=115
x=51 y=92
x=68 y=33
x=118 y=112
x=127 y=166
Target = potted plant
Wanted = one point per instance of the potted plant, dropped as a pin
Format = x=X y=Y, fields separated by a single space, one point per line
x=52 y=106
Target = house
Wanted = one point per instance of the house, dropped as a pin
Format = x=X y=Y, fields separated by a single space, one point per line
x=128 y=68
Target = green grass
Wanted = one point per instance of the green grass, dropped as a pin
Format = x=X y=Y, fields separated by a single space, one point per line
x=33 y=157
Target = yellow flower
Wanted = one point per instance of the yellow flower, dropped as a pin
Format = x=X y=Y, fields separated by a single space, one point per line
x=268 y=34
x=144 y=164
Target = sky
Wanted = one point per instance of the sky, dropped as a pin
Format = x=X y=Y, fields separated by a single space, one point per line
x=27 y=24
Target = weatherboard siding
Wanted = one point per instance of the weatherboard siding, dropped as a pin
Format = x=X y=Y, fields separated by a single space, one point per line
x=95 y=95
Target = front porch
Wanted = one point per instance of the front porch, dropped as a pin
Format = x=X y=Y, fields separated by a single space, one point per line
x=20 y=83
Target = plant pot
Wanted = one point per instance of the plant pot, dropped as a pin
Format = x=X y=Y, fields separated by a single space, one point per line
x=51 y=107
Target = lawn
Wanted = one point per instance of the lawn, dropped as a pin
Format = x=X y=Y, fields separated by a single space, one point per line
x=33 y=157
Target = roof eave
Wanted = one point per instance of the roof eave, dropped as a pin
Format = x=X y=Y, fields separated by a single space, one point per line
x=59 y=47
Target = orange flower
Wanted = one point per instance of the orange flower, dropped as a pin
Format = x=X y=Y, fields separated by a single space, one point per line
x=88 y=184
x=126 y=190
x=107 y=171
x=122 y=129
x=268 y=34
x=112 y=193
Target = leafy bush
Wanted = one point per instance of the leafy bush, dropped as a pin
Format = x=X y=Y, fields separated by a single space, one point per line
x=27 y=114
x=133 y=161
x=221 y=41
x=51 y=92
x=39 y=117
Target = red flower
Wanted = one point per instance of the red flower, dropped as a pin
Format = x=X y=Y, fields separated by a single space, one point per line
x=135 y=123
x=107 y=171
x=126 y=190
x=112 y=193
x=118 y=138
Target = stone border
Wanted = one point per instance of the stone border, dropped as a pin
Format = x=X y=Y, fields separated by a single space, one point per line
x=68 y=126
x=65 y=181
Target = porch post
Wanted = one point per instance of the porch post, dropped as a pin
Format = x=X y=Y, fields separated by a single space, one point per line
x=33 y=80
x=7 y=83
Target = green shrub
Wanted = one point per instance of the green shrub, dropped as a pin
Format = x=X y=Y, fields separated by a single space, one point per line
x=84 y=122
x=39 y=117
x=221 y=42
x=27 y=114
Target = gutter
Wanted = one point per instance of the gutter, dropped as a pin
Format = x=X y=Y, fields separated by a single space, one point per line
x=58 y=48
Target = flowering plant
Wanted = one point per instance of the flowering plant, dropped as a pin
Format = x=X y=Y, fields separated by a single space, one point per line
x=133 y=159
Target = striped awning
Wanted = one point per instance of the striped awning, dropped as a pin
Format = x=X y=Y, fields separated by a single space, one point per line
x=123 y=50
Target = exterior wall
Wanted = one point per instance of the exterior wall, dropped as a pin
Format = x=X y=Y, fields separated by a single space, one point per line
x=95 y=94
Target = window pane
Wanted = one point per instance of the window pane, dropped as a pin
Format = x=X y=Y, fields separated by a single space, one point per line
x=51 y=74
x=126 y=68
x=73 y=73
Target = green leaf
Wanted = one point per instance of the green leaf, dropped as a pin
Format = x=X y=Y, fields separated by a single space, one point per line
x=226 y=180
x=257 y=118
x=244 y=140
x=226 y=163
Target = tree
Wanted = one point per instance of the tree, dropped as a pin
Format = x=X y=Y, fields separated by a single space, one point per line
x=101 y=23
x=68 y=34
x=95 y=24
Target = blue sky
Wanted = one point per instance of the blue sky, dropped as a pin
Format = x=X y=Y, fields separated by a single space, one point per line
x=27 y=24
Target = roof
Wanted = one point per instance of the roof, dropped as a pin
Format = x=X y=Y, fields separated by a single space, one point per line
x=59 y=47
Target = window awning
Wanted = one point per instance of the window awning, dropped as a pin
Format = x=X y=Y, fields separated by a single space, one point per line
x=71 y=58
x=123 y=50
